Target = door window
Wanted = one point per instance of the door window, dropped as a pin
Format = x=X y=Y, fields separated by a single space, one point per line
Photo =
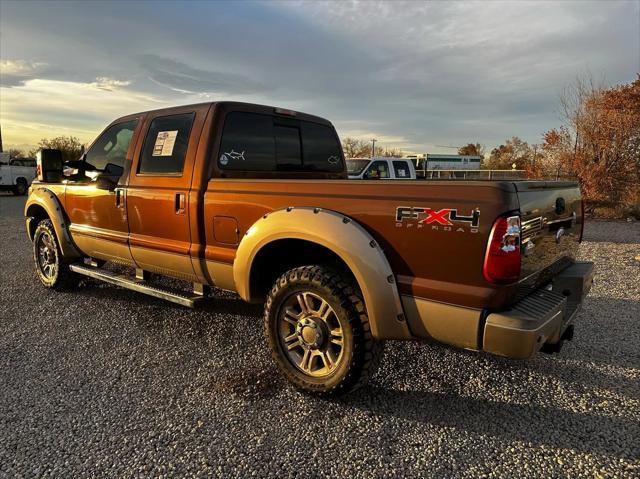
x=165 y=146
x=377 y=170
x=109 y=151
x=401 y=169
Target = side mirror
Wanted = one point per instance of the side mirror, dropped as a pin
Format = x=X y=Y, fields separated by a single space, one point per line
x=105 y=182
x=49 y=165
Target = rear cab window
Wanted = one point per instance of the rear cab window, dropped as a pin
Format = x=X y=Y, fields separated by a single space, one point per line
x=257 y=142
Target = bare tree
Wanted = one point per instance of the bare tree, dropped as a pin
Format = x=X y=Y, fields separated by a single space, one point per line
x=70 y=147
x=355 y=148
x=390 y=152
x=16 y=153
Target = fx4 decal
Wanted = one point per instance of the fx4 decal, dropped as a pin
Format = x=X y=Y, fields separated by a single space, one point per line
x=445 y=219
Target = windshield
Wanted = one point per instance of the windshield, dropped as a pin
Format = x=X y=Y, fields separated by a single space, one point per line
x=355 y=167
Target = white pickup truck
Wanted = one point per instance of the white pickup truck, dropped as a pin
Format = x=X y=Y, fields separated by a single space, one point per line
x=381 y=168
x=16 y=174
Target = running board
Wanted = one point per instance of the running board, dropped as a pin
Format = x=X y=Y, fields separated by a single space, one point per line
x=136 y=284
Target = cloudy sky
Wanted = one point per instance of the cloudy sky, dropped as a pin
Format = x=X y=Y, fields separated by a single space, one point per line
x=413 y=75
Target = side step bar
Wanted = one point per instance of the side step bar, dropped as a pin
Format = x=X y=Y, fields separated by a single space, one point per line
x=136 y=284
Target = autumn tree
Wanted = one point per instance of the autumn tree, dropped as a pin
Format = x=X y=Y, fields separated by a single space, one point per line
x=599 y=142
x=472 y=149
x=513 y=151
x=70 y=147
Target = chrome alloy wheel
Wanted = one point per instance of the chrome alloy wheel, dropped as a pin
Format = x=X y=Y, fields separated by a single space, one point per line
x=47 y=256
x=310 y=334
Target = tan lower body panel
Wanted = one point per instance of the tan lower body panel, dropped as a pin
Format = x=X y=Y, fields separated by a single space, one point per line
x=165 y=263
x=522 y=330
x=519 y=342
x=446 y=323
x=222 y=275
x=103 y=249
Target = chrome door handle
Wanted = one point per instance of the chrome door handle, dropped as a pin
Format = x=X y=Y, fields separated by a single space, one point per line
x=180 y=203
x=119 y=197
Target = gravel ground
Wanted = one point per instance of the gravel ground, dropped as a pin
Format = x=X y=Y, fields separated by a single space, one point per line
x=106 y=382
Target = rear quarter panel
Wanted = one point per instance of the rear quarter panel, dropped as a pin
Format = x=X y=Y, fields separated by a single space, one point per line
x=430 y=260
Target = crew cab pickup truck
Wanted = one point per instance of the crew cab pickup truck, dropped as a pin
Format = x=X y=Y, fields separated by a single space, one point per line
x=16 y=174
x=256 y=200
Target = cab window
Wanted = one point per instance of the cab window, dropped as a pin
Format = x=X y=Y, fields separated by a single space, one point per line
x=254 y=142
x=109 y=151
x=357 y=166
x=401 y=169
x=321 y=148
x=247 y=143
x=378 y=170
x=165 y=145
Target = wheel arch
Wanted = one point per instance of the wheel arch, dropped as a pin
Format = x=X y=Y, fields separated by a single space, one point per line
x=324 y=236
x=44 y=204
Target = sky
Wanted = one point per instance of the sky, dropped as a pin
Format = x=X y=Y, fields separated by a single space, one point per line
x=417 y=76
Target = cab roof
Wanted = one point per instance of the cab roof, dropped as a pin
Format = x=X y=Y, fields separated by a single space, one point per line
x=227 y=106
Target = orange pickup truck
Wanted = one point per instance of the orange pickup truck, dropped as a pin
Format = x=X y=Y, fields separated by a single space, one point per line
x=256 y=200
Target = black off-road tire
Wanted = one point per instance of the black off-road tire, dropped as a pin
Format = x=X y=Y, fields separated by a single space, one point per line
x=61 y=276
x=21 y=187
x=361 y=352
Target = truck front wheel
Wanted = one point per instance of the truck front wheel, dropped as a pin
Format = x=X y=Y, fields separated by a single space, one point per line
x=319 y=333
x=51 y=268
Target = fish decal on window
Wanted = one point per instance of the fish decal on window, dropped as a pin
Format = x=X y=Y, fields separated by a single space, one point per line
x=225 y=158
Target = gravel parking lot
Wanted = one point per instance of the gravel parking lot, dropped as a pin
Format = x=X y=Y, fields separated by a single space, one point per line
x=106 y=382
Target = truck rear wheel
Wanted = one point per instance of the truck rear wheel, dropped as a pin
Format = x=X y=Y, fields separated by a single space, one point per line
x=51 y=268
x=318 y=332
x=20 y=189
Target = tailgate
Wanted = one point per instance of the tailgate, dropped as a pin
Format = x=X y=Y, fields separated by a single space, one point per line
x=551 y=214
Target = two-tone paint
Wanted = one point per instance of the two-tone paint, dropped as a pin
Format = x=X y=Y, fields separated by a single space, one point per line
x=420 y=278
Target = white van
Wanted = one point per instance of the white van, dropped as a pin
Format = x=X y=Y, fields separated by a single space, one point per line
x=381 y=168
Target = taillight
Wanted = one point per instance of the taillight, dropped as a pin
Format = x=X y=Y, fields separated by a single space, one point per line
x=502 y=259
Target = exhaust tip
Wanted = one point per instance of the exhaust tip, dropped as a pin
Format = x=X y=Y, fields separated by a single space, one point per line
x=552 y=348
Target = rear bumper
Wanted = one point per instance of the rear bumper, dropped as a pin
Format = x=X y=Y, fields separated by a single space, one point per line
x=541 y=319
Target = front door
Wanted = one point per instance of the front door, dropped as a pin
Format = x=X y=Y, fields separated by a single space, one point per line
x=98 y=218
x=158 y=193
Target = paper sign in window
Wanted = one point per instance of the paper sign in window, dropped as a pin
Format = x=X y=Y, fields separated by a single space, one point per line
x=165 y=142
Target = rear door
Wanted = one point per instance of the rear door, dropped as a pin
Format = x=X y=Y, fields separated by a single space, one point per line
x=401 y=169
x=158 y=193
